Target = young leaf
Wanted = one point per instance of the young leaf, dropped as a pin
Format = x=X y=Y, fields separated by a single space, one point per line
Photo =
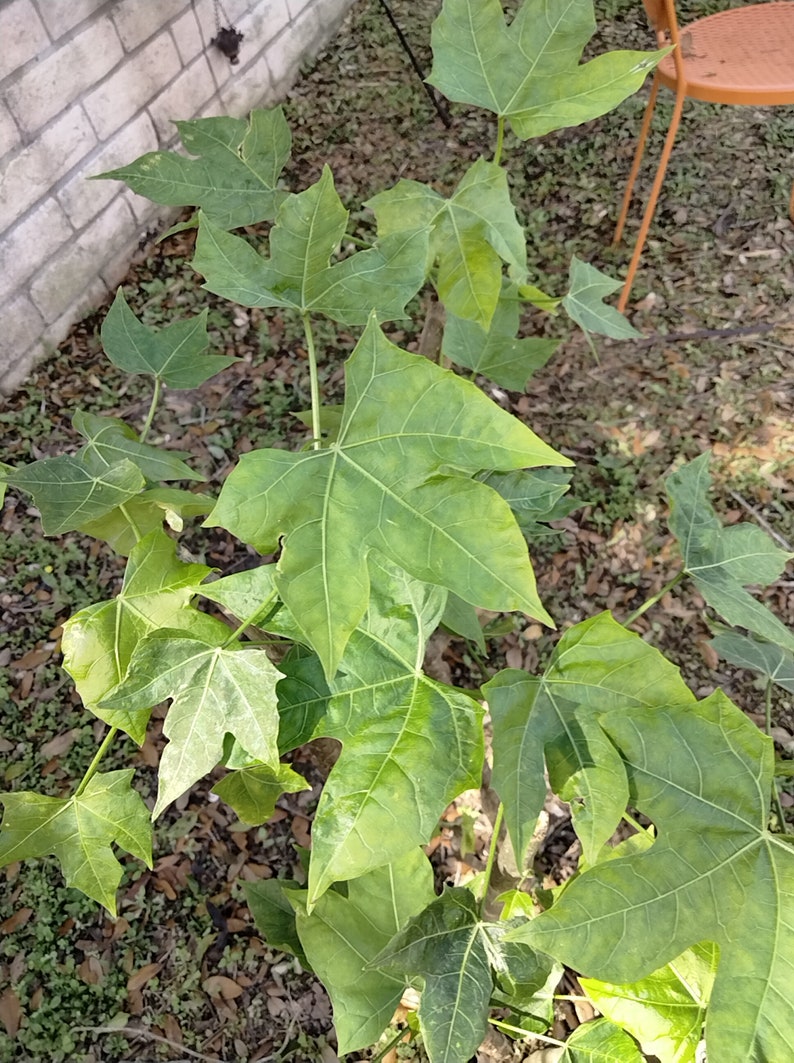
x=243 y=593
x=534 y=497
x=145 y=513
x=529 y=72
x=666 y=1010
x=721 y=560
x=395 y=482
x=68 y=493
x=462 y=619
x=703 y=774
x=600 y=1041
x=111 y=441
x=472 y=233
x=597 y=665
x=761 y=656
x=214 y=691
x=497 y=353
x=584 y=302
x=396 y=726
x=234 y=179
x=343 y=934
x=98 y=642
x=309 y=228
x=253 y=790
x=79 y=831
x=174 y=354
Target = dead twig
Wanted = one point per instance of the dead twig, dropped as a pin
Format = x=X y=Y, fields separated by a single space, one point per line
x=762 y=521
x=705 y=334
x=139 y=1031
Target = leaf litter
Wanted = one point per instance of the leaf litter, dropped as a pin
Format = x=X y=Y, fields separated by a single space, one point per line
x=717 y=266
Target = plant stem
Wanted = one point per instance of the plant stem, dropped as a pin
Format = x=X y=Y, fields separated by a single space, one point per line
x=131 y=521
x=497 y=826
x=147 y=424
x=389 y=1046
x=652 y=601
x=500 y=139
x=314 y=383
x=257 y=613
x=508 y=1028
x=92 y=767
x=768 y=729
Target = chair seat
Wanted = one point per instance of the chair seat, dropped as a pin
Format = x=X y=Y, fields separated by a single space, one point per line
x=742 y=56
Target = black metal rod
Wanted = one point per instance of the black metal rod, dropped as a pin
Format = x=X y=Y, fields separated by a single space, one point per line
x=440 y=106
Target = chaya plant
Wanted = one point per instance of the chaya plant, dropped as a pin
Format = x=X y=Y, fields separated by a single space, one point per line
x=404 y=511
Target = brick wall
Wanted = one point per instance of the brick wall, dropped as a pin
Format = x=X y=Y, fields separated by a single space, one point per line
x=86 y=85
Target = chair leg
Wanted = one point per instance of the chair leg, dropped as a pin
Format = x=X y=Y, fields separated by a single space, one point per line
x=635 y=166
x=652 y=200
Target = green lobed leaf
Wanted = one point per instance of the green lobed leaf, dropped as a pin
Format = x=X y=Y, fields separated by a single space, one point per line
x=253 y=790
x=215 y=690
x=395 y=482
x=597 y=665
x=584 y=302
x=342 y=935
x=721 y=560
x=472 y=233
x=68 y=493
x=767 y=658
x=529 y=72
x=80 y=831
x=703 y=774
x=462 y=619
x=409 y=744
x=145 y=513
x=174 y=354
x=110 y=441
x=234 y=177
x=665 y=1011
x=98 y=641
x=302 y=698
x=600 y=1041
x=299 y=274
x=497 y=352
x=534 y=497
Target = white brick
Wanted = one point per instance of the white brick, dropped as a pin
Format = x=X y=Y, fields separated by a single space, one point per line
x=36 y=169
x=187 y=35
x=62 y=15
x=92 y=296
x=67 y=276
x=20 y=328
x=28 y=245
x=251 y=88
x=296 y=7
x=51 y=85
x=183 y=98
x=114 y=271
x=285 y=54
x=132 y=86
x=22 y=35
x=137 y=21
x=9 y=134
x=263 y=25
x=83 y=200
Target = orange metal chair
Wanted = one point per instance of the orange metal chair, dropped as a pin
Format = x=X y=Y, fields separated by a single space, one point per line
x=744 y=55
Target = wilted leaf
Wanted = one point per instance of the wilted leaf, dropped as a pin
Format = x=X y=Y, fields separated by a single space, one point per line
x=703 y=774
x=396 y=482
x=234 y=179
x=79 y=831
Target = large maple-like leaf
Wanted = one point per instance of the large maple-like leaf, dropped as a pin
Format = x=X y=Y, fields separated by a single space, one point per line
x=703 y=774
x=342 y=934
x=396 y=481
x=175 y=354
x=110 y=441
x=409 y=744
x=215 y=690
x=723 y=560
x=529 y=72
x=79 y=831
x=234 y=177
x=471 y=234
x=98 y=642
x=299 y=274
x=597 y=665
